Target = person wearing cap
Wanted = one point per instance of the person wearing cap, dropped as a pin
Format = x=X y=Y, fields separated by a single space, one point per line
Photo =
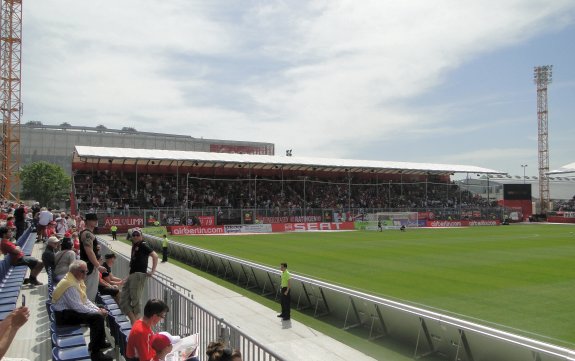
x=18 y=258
x=134 y=286
x=49 y=255
x=89 y=254
x=138 y=347
x=72 y=307
x=162 y=343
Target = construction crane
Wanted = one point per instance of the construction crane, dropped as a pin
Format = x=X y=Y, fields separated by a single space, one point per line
x=10 y=101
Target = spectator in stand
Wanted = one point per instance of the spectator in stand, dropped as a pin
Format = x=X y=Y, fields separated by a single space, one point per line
x=105 y=287
x=138 y=347
x=18 y=258
x=76 y=243
x=44 y=218
x=80 y=223
x=217 y=351
x=89 y=254
x=10 y=326
x=63 y=259
x=11 y=225
x=71 y=221
x=50 y=230
x=162 y=343
x=134 y=285
x=61 y=226
x=72 y=307
x=20 y=220
x=49 y=255
x=109 y=260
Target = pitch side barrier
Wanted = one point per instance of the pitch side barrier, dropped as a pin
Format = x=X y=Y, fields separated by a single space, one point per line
x=418 y=330
x=187 y=317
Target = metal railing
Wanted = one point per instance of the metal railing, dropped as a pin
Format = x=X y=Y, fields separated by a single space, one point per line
x=187 y=317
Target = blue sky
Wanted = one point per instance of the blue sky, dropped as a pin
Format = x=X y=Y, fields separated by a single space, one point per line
x=444 y=81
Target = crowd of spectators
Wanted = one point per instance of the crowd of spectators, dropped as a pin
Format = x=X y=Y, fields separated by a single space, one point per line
x=564 y=206
x=113 y=191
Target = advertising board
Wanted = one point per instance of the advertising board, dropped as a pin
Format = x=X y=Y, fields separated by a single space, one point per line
x=122 y=222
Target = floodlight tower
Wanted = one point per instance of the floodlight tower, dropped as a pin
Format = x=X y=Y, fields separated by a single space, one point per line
x=10 y=104
x=543 y=77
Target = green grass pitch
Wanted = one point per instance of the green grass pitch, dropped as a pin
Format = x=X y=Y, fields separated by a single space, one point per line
x=519 y=278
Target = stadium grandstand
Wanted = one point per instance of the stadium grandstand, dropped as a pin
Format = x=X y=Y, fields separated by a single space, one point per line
x=183 y=183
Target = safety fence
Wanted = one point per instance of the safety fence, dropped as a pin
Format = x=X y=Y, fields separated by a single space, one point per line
x=187 y=317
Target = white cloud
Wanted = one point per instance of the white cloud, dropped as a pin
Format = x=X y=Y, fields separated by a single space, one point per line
x=304 y=75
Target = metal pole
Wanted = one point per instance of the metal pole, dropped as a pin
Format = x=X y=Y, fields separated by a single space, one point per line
x=255 y=197
x=304 y=200
x=488 y=190
x=349 y=192
x=523 y=166
x=389 y=194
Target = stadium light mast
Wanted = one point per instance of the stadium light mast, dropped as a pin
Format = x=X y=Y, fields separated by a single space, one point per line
x=523 y=166
x=543 y=75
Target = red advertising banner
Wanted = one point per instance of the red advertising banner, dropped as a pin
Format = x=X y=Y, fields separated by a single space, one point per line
x=122 y=222
x=207 y=221
x=426 y=215
x=312 y=226
x=188 y=231
x=289 y=219
x=560 y=219
x=487 y=222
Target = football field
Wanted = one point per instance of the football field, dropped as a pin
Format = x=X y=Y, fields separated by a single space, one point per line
x=519 y=278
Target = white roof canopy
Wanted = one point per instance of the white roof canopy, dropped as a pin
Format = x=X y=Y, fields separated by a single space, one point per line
x=129 y=156
x=568 y=168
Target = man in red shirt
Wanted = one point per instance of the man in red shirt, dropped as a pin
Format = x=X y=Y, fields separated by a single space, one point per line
x=18 y=258
x=139 y=347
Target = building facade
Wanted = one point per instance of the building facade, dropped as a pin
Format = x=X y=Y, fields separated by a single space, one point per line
x=55 y=143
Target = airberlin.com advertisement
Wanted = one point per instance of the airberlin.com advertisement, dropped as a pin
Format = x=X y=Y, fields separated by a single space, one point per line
x=261 y=228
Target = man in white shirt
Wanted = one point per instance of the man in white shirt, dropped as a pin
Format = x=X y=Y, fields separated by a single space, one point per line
x=44 y=217
x=72 y=307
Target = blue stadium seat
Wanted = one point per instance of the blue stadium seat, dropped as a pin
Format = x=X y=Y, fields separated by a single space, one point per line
x=3 y=315
x=7 y=307
x=66 y=330
x=70 y=354
x=68 y=341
